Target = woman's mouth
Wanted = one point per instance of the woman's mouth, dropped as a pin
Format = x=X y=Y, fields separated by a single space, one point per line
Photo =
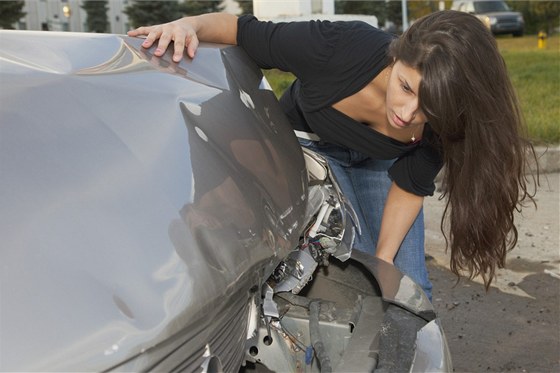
x=399 y=122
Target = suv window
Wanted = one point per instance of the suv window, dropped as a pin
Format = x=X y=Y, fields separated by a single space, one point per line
x=490 y=6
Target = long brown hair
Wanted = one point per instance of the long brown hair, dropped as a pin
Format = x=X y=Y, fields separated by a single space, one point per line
x=470 y=103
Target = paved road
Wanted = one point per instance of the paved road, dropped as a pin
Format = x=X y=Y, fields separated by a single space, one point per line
x=516 y=325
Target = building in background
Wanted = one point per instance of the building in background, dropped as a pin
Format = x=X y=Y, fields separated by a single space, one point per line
x=270 y=9
x=301 y=10
x=68 y=15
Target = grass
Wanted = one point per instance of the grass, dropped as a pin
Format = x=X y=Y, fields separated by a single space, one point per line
x=279 y=80
x=535 y=74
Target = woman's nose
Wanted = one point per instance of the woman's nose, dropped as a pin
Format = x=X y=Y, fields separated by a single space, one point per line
x=409 y=111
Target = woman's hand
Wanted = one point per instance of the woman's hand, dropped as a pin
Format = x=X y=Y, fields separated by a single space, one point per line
x=181 y=32
x=189 y=32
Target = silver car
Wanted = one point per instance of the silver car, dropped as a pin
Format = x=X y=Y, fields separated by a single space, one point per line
x=161 y=216
x=495 y=14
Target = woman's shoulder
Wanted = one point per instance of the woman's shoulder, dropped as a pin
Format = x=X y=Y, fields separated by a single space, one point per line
x=321 y=29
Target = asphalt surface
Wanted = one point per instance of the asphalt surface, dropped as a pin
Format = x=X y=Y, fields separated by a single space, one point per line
x=515 y=326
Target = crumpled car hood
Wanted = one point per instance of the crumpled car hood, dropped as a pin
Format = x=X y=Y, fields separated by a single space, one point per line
x=130 y=206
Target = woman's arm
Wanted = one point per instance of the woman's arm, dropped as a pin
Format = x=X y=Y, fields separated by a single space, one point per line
x=188 y=32
x=401 y=209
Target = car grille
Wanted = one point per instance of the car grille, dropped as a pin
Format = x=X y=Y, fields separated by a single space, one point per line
x=507 y=20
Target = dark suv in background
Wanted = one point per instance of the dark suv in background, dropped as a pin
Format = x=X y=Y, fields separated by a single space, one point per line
x=496 y=15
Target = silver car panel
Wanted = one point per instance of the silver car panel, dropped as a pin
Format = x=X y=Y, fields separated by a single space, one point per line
x=137 y=196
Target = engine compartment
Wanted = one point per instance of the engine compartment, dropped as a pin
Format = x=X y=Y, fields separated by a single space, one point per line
x=328 y=309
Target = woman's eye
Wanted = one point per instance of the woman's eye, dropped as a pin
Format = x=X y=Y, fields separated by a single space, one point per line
x=406 y=88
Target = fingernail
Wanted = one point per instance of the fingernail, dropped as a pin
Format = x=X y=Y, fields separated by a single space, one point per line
x=158 y=50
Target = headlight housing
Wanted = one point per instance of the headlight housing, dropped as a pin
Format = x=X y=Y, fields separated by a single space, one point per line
x=486 y=21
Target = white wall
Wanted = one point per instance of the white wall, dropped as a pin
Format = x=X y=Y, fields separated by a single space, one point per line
x=50 y=12
x=269 y=9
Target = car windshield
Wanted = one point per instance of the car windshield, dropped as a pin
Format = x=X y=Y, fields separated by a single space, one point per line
x=490 y=6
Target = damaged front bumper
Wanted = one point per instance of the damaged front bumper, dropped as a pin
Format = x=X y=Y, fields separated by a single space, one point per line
x=371 y=318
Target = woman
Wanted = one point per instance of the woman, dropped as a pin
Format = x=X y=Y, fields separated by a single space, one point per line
x=388 y=113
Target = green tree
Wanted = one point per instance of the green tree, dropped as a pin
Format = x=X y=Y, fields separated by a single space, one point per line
x=145 y=13
x=10 y=13
x=194 y=7
x=538 y=15
x=394 y=13
x=547 y=14
x=96 y=10
x=529 y=18
x=375 y=8
x=418 y=9
x=246 y=6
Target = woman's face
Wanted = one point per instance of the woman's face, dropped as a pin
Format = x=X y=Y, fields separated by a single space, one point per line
x=403 y=111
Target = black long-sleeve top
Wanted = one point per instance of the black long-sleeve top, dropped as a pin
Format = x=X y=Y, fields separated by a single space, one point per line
x=331 y=61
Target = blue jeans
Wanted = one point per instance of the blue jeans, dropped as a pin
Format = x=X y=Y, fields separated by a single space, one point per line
x=365 y=183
